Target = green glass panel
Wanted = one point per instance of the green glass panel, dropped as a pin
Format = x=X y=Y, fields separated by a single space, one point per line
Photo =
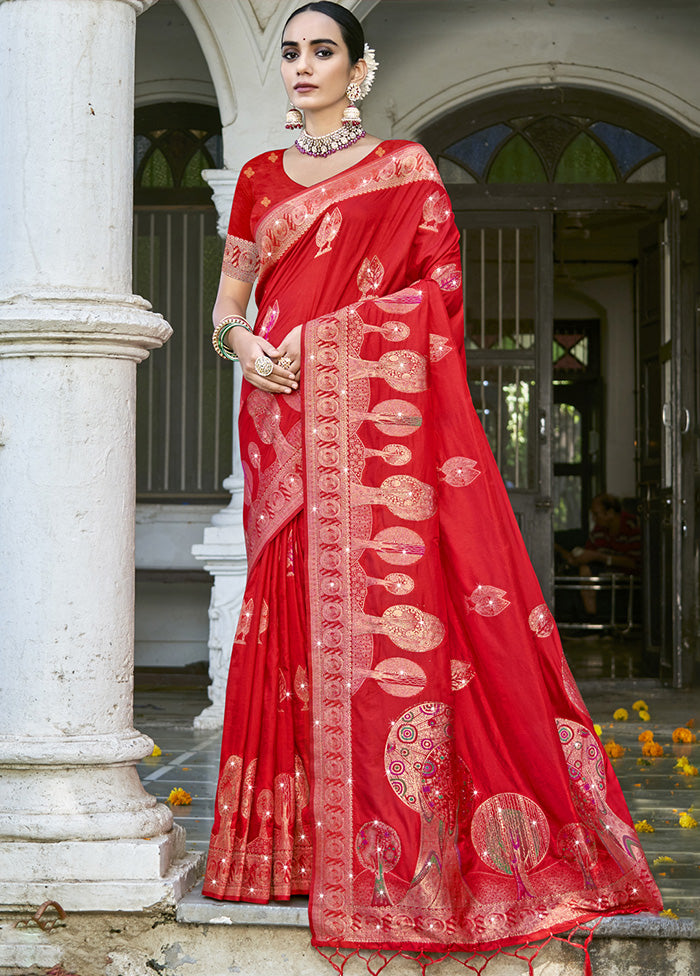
x=156 y=172
x=193 y=171
x=584 y=161
x=517 y=162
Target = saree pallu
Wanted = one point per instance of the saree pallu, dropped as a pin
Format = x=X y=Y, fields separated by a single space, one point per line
x=458 y=797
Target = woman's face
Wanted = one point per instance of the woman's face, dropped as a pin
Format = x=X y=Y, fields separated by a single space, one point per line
x=316 y=67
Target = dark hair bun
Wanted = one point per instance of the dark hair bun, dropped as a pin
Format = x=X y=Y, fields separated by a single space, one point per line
x=350 y=26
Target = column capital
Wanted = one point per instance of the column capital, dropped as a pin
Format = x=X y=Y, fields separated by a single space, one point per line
x=223 y=183
x=74 y=323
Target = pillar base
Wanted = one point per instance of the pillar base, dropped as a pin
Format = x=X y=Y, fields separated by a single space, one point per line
x=113 y=876
x=223 y=554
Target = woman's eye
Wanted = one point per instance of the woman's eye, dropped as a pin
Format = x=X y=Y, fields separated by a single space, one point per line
x=324 y=52
x=289 y=55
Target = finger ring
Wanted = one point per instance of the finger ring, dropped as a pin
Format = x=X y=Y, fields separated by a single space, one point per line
x=285 y=362
x=263 y=366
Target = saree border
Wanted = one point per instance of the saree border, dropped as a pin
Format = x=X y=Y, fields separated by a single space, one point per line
x=328 y=528
x=291 y=219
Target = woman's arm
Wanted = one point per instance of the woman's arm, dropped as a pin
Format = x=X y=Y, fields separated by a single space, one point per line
x=232 y=299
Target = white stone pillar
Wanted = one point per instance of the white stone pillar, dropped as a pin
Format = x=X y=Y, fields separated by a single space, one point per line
x=223 y=550
x=75 y=824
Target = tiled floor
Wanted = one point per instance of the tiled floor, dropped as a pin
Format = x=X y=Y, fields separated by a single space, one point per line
x=605 y=669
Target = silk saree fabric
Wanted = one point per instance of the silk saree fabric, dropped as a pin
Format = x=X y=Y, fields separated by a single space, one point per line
x=404 y=740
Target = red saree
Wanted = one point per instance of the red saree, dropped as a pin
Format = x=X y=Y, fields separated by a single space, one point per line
x=403 y=739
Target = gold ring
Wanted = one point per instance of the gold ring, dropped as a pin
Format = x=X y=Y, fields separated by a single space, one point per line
x=263 y=366
x=285 y=362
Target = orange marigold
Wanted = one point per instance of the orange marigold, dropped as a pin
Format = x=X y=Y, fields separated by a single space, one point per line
x=646 y=736
x=613 y=749
x=179 y=797
x=684 y=735
x=652 y=749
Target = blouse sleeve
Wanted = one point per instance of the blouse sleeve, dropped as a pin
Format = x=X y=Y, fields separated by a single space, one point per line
x=241 y=258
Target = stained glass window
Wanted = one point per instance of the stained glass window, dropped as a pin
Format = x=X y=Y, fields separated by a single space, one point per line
x=173 y=144
x=553 y=149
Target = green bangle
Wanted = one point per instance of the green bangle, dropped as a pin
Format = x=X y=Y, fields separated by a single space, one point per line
x=220 y=332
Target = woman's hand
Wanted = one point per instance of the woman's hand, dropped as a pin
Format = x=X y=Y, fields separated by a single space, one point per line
x=290 y=347
x=249 y=347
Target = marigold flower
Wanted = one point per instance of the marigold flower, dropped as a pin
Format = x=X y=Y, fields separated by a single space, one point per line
x=640 y=705
x=644 y=715
x=690 y=724
x=620 y=715
x=646 y=736
x=157 y=751
x=643 y=827
x=597 y=729
x=687 y=820
x=668 y=913
x=663 y=860
x=684 y=767
x=614 y=749
x=652 y=749
x=684 y=735
x=179 y=797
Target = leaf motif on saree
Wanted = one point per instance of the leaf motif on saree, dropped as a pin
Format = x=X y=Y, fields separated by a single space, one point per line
x=487 y=601
x=448 y=277
x=328 y=231
x=370 y=275
x=271 y=316
x=436 y=210
x=541 y=621
x=459 y=471
x=439 y=347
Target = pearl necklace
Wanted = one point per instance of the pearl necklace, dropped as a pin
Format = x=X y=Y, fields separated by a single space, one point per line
x=327 y=145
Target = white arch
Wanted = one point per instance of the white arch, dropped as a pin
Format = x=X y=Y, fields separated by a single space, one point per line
x=547 y=76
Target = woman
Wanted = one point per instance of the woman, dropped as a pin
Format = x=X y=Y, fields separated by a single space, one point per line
x=404 y=741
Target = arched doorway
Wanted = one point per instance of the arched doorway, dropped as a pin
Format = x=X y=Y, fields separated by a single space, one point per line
x=579 y=323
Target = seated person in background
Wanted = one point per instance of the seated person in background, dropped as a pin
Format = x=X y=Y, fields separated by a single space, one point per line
x=613 y=546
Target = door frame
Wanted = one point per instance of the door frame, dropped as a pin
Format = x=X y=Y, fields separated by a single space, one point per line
x=650 y=199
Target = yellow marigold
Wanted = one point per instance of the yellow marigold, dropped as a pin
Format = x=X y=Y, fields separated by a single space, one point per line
x=652 y=749
x=157 y=751
x=644 y=715
x=668 y=913
x=640 y=705
x=179 y=797
x=684 y=735
x=597 y=729
x=685 y=768
x=687 y=820
x=620 y=715
x=643 y=827
x=646 y=736
x=663 y=860
x=613 y=749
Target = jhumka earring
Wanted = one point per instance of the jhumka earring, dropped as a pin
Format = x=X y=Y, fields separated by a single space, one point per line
x=351 y=115
x=295 y=120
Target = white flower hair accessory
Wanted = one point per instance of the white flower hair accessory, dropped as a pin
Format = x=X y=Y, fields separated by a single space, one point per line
x=372 y=65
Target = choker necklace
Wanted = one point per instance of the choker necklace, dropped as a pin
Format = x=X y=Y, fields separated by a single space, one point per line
x=326 y=145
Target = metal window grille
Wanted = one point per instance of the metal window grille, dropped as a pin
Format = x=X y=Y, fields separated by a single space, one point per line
x=184 y=390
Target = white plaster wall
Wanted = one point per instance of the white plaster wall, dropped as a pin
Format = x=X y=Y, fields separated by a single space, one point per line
x=170 y=66
x=437 y=55
x=172 y=623
x=611 y=299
